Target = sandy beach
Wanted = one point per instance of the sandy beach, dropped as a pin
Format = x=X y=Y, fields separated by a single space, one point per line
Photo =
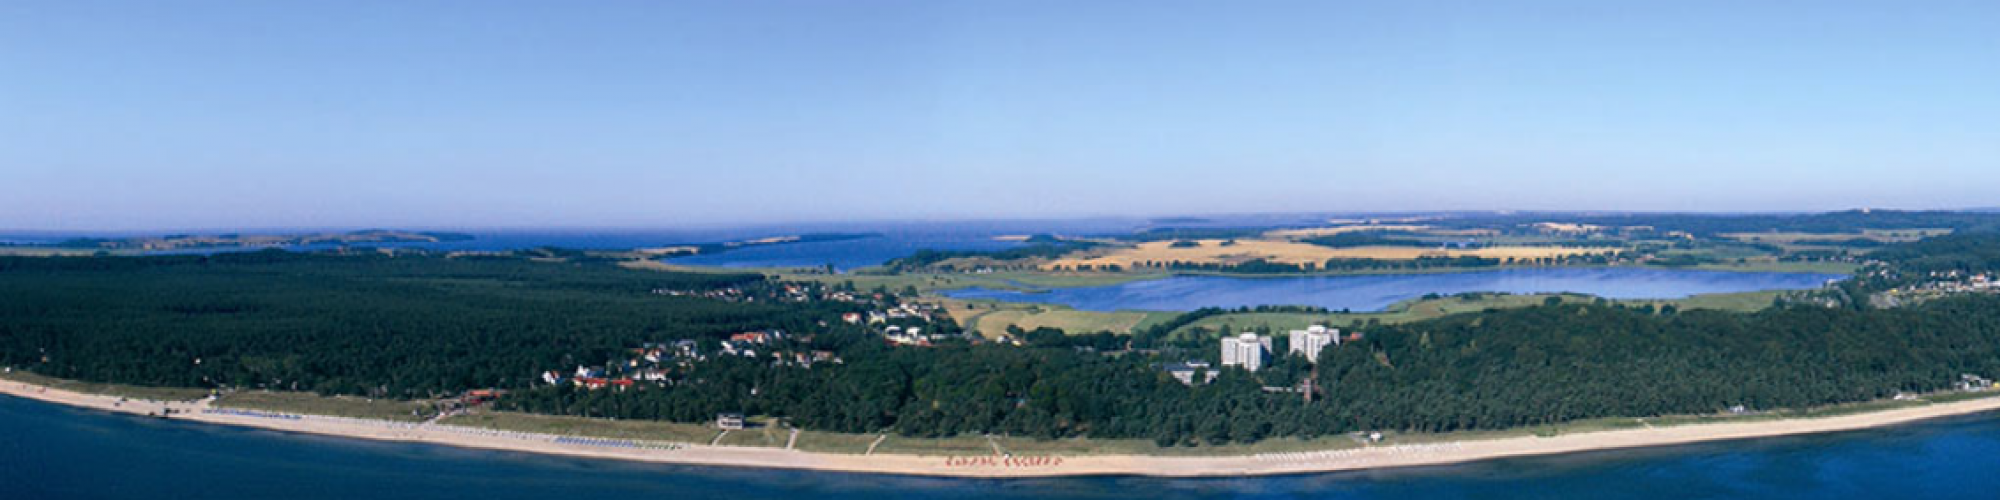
x=998 y=466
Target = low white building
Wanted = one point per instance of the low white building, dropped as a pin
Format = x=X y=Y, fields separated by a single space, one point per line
x=1185 y=372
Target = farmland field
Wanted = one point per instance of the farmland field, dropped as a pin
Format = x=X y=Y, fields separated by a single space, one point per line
x=1287 y=252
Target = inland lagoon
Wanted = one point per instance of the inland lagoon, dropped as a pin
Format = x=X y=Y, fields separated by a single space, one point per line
x=1374 y=292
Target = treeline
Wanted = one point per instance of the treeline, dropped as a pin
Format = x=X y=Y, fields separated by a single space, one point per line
x=1055 y=337
x=1353 y=239
x=1193 y=233
x=1046 y=248
x=1163 y=334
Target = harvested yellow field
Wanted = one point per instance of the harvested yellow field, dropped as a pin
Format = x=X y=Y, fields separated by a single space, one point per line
x=1329 y=231
x=1212 y=251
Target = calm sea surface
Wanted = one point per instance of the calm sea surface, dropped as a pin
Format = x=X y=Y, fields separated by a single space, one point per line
x=1374 y=292
x=894 y=240
x=55 y=452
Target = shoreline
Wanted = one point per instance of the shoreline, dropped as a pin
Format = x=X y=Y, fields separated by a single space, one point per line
x=1012 y=466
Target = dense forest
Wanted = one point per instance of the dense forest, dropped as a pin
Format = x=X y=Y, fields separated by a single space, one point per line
x=1353 y=239
x=1965 y=253
x=414 y=325
x=1484 y=371
x=368 y=323
x=1035 y=247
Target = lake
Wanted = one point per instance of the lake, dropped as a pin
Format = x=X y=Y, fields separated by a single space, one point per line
x=50 y=451
x=1375 y=292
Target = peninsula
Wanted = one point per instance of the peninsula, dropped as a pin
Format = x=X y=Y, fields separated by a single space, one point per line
x=613 y=354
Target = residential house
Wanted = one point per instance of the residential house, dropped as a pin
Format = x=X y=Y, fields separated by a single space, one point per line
x=1186 y=371
x=729 y=421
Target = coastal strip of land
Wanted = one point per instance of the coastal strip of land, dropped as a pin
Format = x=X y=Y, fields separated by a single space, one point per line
x=998 y=465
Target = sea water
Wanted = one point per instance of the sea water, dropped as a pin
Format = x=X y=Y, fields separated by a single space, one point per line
x=50 y=451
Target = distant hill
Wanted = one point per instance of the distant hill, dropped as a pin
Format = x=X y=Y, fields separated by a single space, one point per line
x=195 y=242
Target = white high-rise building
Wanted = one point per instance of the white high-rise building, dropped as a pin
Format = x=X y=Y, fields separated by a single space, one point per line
x=1246 y=350
x=1312 y=339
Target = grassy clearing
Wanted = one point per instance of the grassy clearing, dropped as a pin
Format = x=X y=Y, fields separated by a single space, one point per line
x=1739 y=302
x=1952 y=397
x=991 y=318
x=1422 y=309
x=763 y=433
x=956 y=445
x=593 y=427
x=1277 y=322
x=831 y=442
x=339 y=406
x=1077 y=446
x=1072 y=447
x=120 y=390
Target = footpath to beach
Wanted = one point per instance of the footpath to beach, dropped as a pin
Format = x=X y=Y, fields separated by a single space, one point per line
x=997 y=465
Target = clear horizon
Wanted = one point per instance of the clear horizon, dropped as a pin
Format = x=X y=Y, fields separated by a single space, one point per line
x=137 y=116
x=863 y=223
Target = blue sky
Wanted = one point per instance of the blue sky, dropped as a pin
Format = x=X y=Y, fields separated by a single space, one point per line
x=200 y=114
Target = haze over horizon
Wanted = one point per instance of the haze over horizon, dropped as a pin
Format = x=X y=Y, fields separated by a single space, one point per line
x=127 y=115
